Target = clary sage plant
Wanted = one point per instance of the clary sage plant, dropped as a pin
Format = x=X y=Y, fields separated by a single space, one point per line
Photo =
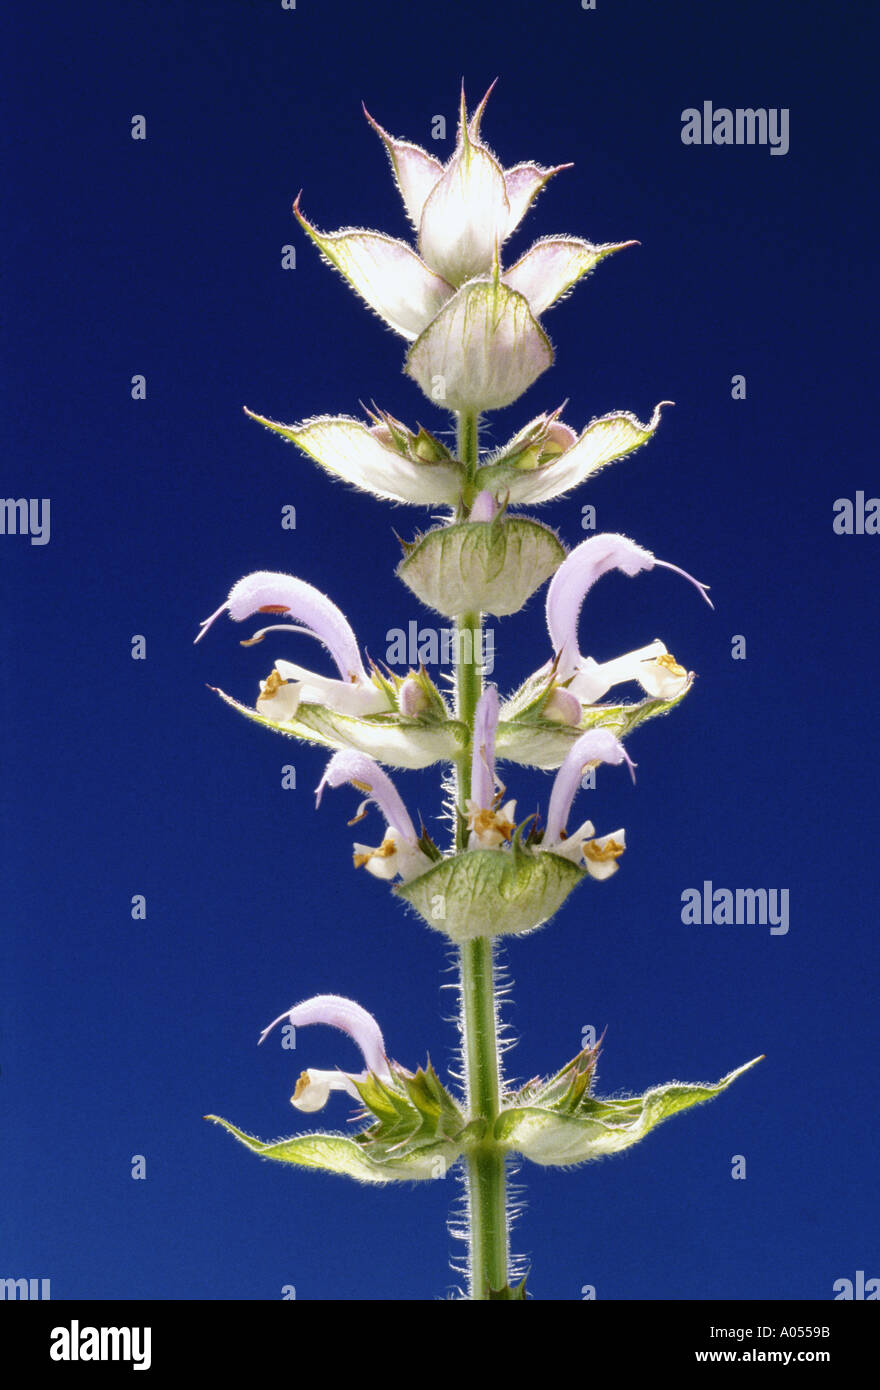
x=475 y=343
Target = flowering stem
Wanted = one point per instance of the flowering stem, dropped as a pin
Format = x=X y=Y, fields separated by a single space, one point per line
x=486 y=1177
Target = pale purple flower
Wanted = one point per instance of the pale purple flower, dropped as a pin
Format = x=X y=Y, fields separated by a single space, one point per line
x=313 y=1087
x=399 y=852
x=599 y=854
x=490 y=824
x=484 y=507
x=317 y=616
x=563 y=708
x=653 y=667
x=412 y=699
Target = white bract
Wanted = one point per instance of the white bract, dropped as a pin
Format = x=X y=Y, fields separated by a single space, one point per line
x=477 y=343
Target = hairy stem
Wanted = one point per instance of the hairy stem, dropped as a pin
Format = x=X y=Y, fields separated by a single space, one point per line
x=486 y=1177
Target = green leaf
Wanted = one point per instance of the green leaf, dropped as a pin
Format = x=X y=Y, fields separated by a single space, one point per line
x=491 y=892
x=481 y=566
x=599 y=1127
x=336 y=1153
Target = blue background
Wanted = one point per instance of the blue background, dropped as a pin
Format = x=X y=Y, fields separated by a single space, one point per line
x=163 y=257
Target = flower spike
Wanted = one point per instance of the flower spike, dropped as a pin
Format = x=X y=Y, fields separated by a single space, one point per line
x=462 y=212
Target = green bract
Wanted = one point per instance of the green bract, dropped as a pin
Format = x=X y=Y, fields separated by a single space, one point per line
x=481 y=566
x=491 y=892
x=561 y=1136
x=537 y=742
x=390 y=738
x=482 y=350
x=417 y=1132
x=335 y=1153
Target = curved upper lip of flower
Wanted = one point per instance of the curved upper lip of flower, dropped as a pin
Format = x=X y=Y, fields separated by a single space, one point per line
x=367 y=776
x=483 y=780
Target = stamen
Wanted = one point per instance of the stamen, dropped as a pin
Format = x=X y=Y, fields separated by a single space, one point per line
x=602 y=854
x=385 y=851
x=669 y=663
x=273 y=683
x=277 y=627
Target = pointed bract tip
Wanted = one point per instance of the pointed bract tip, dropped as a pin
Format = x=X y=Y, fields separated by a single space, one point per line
x=383 y=135
x=476 y=118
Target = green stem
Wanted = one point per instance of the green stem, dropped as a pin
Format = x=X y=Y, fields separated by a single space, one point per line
x=486 y=1176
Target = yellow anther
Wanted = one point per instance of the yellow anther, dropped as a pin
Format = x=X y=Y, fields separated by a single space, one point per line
x=669 y=663
x=483 y=822
x=385 y=851
x=601 y=854
x=271 y=686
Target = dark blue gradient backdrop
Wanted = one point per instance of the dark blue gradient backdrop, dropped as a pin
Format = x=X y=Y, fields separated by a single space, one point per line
x=162 y=257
